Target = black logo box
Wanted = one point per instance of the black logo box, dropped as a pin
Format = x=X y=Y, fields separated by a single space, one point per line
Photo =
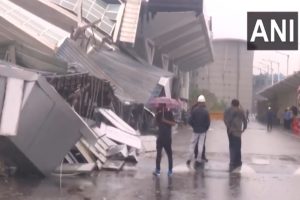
x=259 y=43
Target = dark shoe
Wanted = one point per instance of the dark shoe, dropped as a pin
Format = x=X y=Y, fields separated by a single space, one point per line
x=156 y=173
x=188 y=163
x=204 y=159
x=235 y=167
x=198 y=165
x=170 y=173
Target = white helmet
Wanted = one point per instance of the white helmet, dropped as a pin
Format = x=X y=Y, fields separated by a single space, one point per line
x=201 y=99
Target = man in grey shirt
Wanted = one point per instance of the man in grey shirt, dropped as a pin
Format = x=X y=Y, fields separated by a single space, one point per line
x=236 y=123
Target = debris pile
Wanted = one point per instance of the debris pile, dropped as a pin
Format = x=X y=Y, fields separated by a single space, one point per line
x=47 y=133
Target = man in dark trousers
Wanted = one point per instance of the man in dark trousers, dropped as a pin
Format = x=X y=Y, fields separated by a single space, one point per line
x=270 y=116
x=200 y=122
x=203 y=157
x=165 y=121
x=236 y=123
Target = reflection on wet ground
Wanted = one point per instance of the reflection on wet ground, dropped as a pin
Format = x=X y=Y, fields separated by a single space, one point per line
x=140 y=184
x=266 y=174
x=235 y=185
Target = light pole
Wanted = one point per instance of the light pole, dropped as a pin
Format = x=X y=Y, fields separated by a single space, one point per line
x=272 y=78
x=266 y=65
x=278 y=72
x=278 y=66
x=261 y=70
x=287 y=61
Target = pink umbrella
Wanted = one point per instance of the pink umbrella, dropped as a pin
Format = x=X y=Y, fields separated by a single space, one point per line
x=169 y=102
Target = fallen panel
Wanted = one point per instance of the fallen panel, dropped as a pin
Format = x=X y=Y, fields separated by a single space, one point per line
x=118 y=152
x=99 y=164
x=12 y=106
x=27 y=90
x=117 y=121
x=113 y=165
x=76 y=168
x=10 y=70
x=132 y=155
x=97 y=151
x=13 y=83
x=98 y=154
x=47 y=120
x=121 y=136
x=103 y=145
x=149 y=143
x=130 y=21
x=108 y=141
x=98 y=131
x=70 y=159
x=84 y=152
x=91 y=137
x=48 y=128
x=2 y=92
x=37 y=28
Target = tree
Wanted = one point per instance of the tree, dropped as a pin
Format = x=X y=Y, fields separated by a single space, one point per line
x=212 y=102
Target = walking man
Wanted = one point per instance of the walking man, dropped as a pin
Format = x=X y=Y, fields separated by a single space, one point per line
x=165 y=121
x=200 y=122
x=236 y=123
x=270 y=116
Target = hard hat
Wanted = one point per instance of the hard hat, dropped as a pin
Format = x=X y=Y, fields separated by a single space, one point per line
x=201 y=99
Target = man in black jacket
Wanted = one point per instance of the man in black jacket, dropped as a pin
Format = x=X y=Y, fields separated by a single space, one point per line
x=165 y=121
x=200 y=122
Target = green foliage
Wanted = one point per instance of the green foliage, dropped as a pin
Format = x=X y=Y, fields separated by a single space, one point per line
x=218 y=106
x=212 y=102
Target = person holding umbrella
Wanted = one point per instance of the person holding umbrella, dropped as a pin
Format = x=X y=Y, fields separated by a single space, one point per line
x=165 y=121
x=200 y=122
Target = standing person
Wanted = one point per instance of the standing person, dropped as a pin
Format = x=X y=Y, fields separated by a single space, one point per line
x=247 y=115
x=236 y=123
x=165 y=121
x=270 y=116
x=285 y=118
x=290 y=118
x=200 y=122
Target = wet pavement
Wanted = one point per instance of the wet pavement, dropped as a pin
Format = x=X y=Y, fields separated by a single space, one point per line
x=271 y=170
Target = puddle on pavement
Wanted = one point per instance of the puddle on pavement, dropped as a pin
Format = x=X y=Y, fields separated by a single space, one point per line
x=260 y=161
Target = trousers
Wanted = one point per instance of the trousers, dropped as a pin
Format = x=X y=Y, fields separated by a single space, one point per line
x=197 y=142
x=165 y=144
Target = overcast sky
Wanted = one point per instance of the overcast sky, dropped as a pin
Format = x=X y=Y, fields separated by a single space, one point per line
x=230 y=21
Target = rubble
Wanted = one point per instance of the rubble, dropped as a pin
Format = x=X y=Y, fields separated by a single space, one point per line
x=75 y=168
x=91 y=146
x=148 y=143
x=67 y=107
x=120 y=136
x=132 y=155
x=114 y=165
x=41 y=119
x=118 y=152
